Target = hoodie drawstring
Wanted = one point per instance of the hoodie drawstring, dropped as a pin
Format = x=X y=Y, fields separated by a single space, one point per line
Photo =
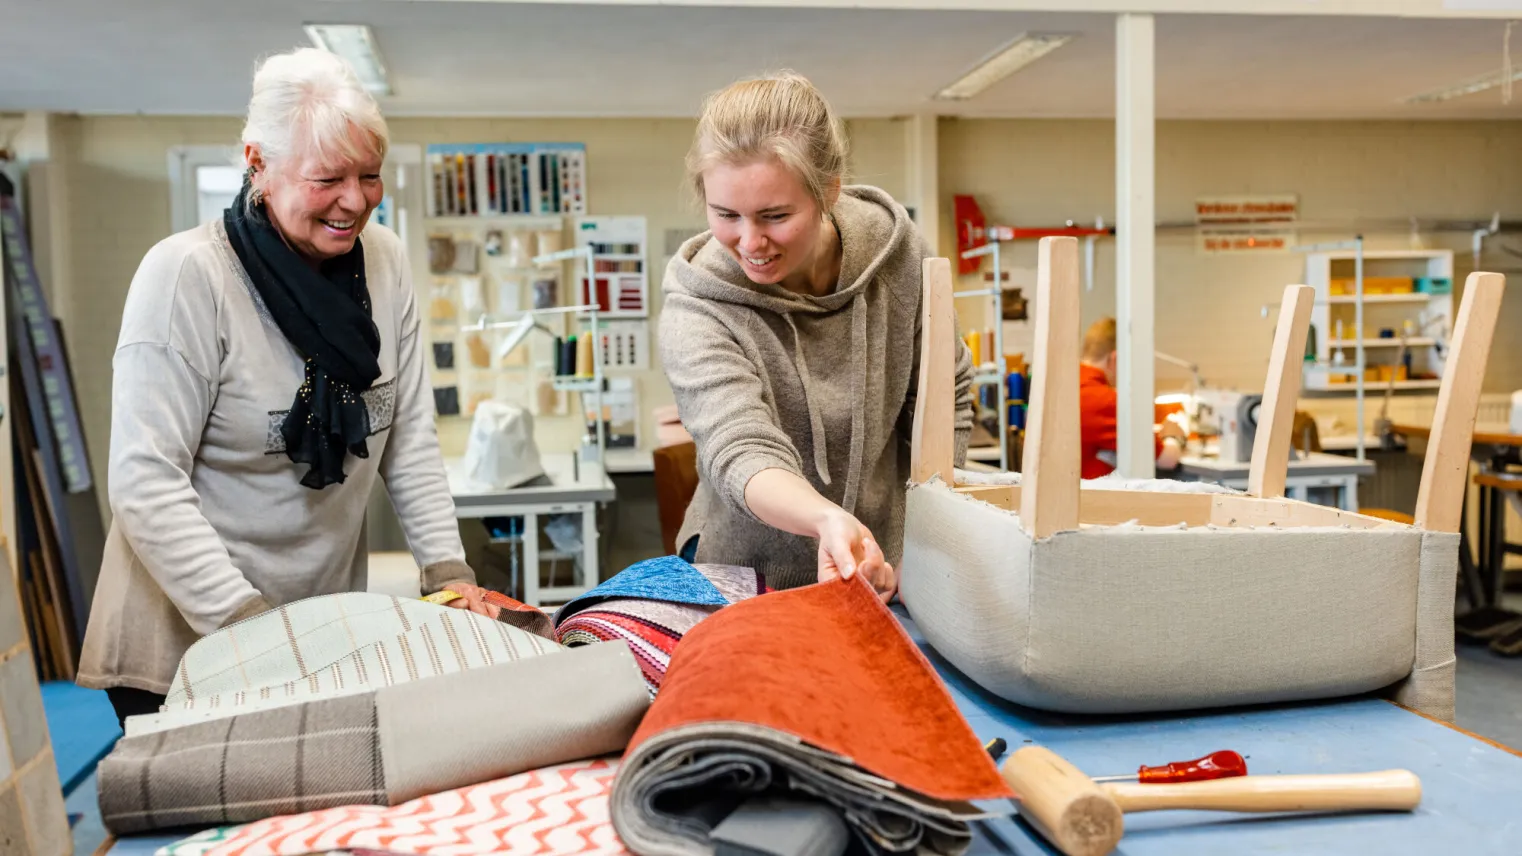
x=857 y=404
x=816 y=422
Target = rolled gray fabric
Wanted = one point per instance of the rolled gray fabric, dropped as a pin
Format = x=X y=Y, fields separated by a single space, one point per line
x=674 y=788
x=378 y=747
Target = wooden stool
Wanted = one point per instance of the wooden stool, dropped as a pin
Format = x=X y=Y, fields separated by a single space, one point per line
x=1389 y=514
x=676 y=480
x=1500 y=626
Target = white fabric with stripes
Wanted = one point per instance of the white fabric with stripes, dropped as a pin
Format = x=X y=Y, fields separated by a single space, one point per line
x=329 y=646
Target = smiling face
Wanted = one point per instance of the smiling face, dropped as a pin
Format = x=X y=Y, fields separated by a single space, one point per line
x=766 y=220
x=320 y=208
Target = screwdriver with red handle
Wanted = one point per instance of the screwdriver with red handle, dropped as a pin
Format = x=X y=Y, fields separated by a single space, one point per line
x=1225 y=764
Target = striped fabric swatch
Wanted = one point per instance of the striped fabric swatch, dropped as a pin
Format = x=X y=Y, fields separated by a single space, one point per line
x=331 y=646
x=653 y=623
x=651 y=643
x=556 y=811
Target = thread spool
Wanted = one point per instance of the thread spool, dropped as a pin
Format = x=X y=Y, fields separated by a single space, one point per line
x=568 y=356
x=975 y=345
x=584 y=356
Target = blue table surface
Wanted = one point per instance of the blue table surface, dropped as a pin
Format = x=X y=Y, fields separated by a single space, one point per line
x=1471 y=791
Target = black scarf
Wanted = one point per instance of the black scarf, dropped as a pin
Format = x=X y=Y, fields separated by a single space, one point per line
x=325 y=314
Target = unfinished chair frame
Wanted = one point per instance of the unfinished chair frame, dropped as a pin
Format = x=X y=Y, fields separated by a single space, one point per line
x=1023 y=581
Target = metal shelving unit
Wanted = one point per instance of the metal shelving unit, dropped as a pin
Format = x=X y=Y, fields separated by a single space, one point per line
x=1000 y=375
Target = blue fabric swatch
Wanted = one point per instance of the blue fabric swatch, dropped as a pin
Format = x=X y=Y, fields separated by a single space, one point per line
x=667 y=578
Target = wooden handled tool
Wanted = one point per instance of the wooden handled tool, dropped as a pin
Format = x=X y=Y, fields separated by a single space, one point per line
x=1082 y=818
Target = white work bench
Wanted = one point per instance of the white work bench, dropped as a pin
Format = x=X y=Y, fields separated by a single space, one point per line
x=568 y=487
x=1312 y=470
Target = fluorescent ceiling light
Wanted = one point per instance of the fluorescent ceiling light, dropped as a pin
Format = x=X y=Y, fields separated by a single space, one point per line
x=1023 y=50
x=1466 y=87
x=356 y=45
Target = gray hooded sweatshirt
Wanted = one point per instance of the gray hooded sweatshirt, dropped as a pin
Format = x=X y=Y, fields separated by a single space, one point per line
x=822 y=387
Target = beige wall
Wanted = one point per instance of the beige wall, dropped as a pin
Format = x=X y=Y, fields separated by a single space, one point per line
x=1041 y=173
x=107 y=192
x=109 y=176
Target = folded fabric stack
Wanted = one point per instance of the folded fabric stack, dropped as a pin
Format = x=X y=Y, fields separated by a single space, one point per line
x=816 y=694
x=556 y=811
x=323 y=703
x=652 y=605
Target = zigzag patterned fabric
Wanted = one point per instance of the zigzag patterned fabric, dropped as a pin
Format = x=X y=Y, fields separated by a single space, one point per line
x=556 y=811
x=330 y=646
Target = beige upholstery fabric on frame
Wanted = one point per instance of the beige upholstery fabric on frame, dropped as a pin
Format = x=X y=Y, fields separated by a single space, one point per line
x=1136 y=618
x=1135 y=596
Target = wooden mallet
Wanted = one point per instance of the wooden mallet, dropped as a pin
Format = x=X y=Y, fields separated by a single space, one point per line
x=1082 y=818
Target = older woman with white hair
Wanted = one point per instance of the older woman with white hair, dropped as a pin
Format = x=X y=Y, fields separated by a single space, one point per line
x=269 y=369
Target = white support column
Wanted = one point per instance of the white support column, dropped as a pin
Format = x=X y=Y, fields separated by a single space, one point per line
x=922 y=152
x=1135 y=242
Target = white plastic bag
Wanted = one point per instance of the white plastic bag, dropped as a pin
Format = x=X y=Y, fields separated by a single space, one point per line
x=501 y=452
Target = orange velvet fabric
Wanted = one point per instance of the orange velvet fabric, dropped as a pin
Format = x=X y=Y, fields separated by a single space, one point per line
x=829 y=664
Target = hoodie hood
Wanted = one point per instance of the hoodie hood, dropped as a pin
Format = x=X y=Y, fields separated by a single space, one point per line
x=873 y=228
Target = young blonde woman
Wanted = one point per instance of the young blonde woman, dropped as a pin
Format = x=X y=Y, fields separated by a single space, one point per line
x=790 y=335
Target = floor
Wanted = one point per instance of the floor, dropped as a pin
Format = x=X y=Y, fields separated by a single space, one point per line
x=1489 y=687
x=1489 y=690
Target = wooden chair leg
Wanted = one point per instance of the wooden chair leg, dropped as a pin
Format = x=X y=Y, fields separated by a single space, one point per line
x=1050 y=462
x=932 y=443
x=1445 y=471
x=1276 y=417
x=1497 y=545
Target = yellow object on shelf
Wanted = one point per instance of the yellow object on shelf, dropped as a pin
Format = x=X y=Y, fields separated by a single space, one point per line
x=1372 y=285
x=584 y=356
x=480 y=354
x=975 y=345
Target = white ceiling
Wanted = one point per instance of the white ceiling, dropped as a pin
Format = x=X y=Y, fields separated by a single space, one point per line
x=484 y=58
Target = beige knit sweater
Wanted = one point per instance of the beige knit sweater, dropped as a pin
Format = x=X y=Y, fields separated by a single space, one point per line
x=822 y=387
x=210 y=523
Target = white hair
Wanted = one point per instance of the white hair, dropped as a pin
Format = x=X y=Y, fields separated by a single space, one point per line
x=306 y=102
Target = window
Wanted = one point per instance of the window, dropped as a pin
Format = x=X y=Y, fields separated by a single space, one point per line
x=203 y=180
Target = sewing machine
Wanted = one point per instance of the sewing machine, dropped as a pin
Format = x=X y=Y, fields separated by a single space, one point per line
x=1229 y=416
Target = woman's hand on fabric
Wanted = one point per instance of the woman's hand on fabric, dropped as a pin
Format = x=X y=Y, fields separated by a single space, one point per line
x=472 y=598
x=847 y=548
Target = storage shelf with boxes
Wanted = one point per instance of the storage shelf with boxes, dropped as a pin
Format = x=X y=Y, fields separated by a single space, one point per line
x=1407 y=310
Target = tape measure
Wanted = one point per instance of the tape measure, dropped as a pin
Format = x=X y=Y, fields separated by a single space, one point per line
x=443 y=597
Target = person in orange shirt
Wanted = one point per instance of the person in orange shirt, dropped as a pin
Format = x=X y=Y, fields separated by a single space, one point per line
x=1096 y=408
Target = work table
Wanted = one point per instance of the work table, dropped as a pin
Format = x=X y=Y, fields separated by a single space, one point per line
x=1471 y=788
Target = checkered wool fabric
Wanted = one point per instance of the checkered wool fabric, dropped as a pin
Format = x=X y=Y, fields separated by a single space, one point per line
x=288 y=760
